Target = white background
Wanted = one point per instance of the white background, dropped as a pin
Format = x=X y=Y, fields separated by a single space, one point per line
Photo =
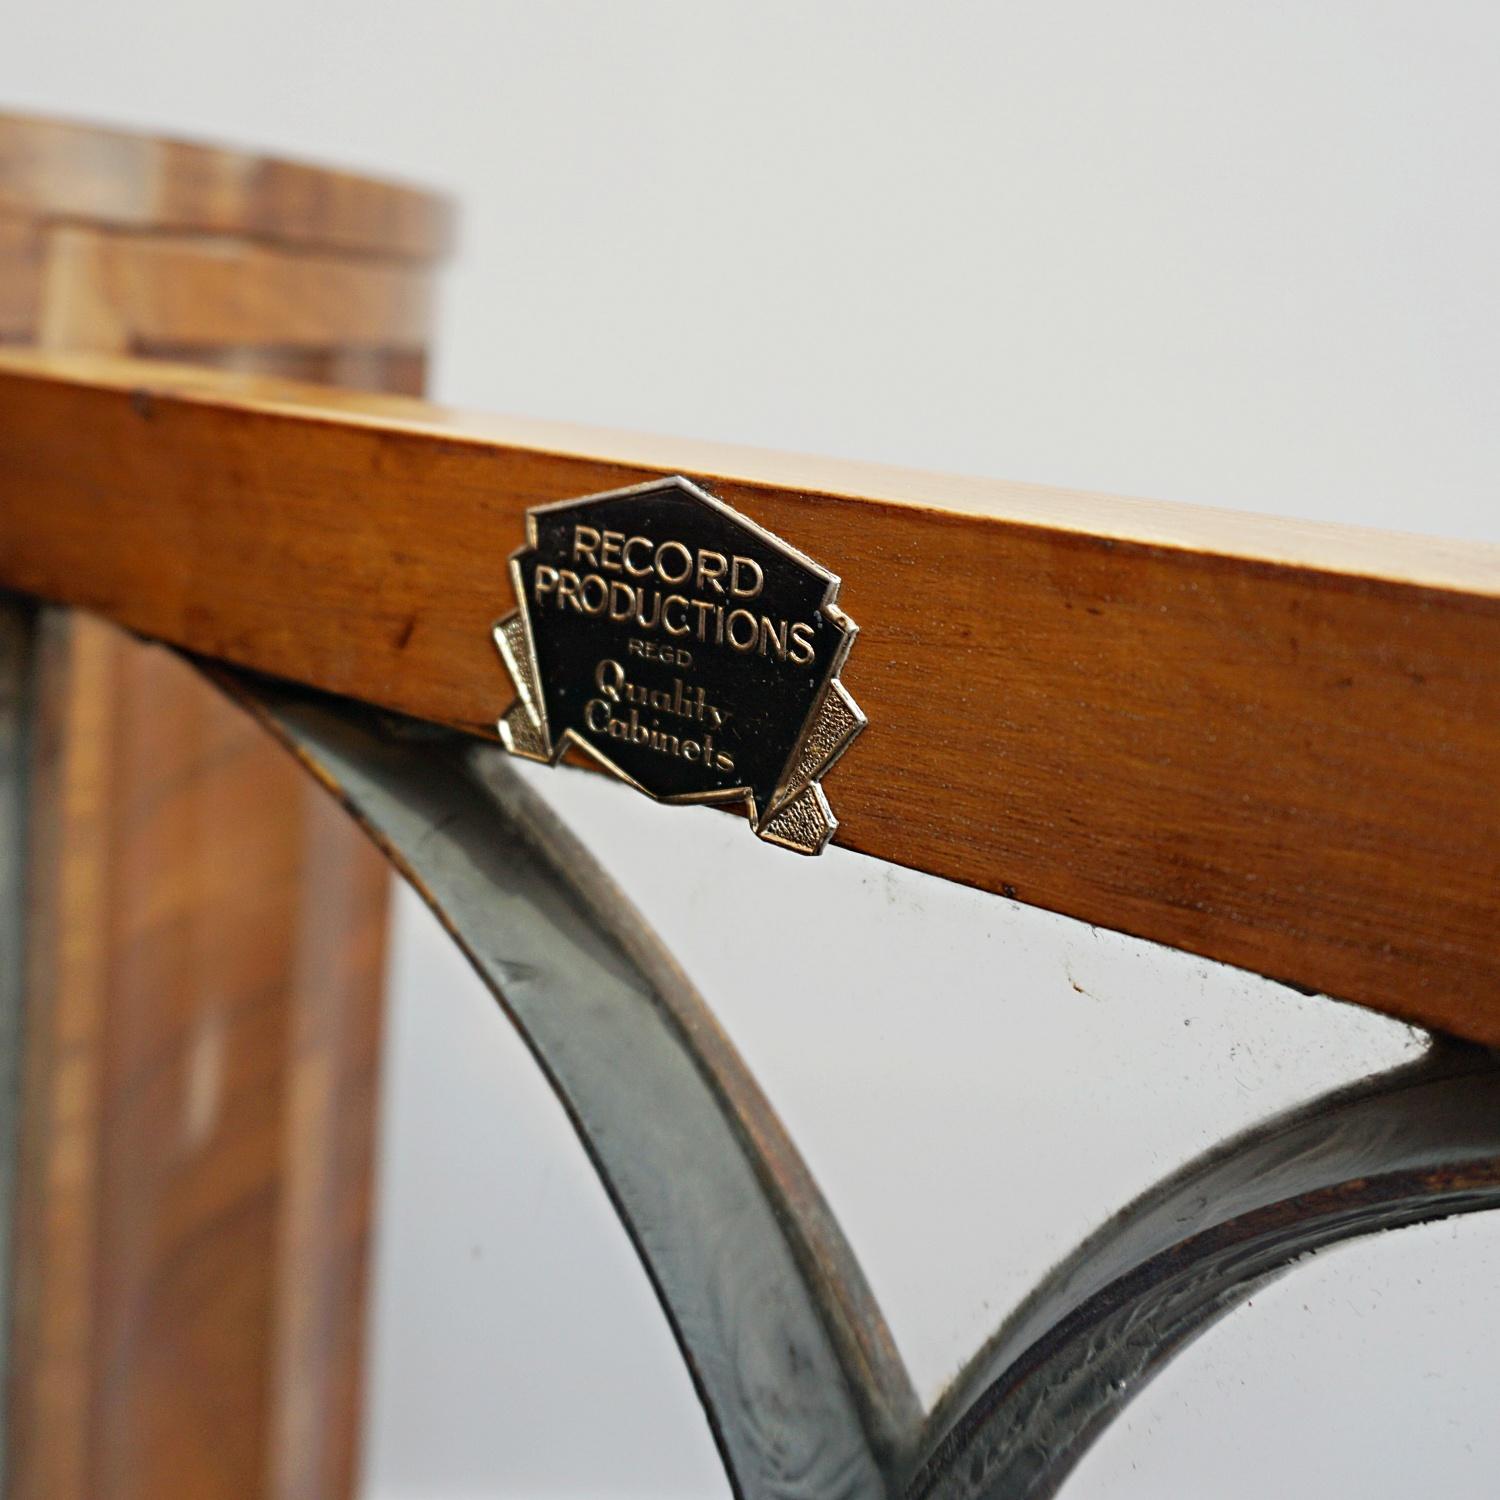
x=1241 y=254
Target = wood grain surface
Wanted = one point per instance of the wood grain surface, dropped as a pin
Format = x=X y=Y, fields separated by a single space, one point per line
x=1270 y=743
x=56 y=170
x=20 y=276
x=204 y=943
x=208 y=939
x=139 y=290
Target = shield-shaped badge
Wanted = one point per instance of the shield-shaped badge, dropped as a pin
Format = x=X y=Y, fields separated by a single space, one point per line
x=686 y=649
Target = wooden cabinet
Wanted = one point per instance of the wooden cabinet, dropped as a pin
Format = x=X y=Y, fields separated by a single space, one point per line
x=206 y=929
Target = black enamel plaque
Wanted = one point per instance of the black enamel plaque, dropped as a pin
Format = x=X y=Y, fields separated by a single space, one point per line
x=686 y=649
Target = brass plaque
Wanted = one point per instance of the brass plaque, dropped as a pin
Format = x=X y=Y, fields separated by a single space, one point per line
x=686 y=649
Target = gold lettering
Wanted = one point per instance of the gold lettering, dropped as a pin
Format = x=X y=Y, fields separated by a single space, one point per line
x=801 y=649
x=609 y=678
x=769 y=635
x=585 y=543
x=644 y=571
x=748 y=643
x=567 y=589
x=712 y=566
x=661 y=566
x=621 y=602
x=583 y=594
x=739 y=590
x=670 y=628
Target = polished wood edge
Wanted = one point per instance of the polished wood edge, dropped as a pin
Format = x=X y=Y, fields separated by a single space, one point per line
x=1269 y=743
x=61 y=170
x=1241 y=536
